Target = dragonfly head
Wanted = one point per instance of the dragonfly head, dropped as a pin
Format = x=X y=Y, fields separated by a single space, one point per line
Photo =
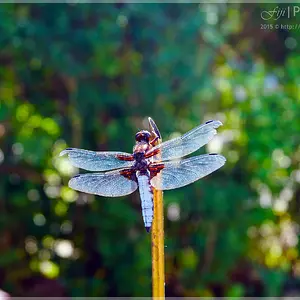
x=143 y=136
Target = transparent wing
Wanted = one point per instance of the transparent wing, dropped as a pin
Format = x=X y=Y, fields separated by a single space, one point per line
x=96 y=161
x=189 y=142
x=176 y=174
x=108 y=184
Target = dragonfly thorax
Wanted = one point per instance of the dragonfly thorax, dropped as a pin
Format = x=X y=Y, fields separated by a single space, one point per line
x=140 y=147
x=138 y=156
x=140 y=162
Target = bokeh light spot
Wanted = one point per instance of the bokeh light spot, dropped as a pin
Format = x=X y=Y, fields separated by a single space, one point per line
x=39 y=219
x=174 y=212
x=33 y=195
x=64 y=248
x=49 y=269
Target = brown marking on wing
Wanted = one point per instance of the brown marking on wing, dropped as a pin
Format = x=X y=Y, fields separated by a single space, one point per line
x=155 y=169
x=152 y=153
x=128 y=173
x=125 y=157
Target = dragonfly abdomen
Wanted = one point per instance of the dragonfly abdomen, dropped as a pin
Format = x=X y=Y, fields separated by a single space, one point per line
x=146 y=195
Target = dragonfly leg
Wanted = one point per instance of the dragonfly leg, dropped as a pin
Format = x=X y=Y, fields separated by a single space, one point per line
x=125 y=157
x=154 y=141
x=151 y=153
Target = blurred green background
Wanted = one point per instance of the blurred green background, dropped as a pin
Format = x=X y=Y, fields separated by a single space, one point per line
x=87 y=76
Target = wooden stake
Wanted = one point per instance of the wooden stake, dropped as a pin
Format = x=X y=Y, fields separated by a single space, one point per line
x=157 y=236
x=158 y=254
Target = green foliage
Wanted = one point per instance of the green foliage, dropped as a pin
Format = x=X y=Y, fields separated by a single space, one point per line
x=87 y=76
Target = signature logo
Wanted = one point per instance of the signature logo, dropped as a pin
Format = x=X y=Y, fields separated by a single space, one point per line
x=275 y=14
x=279 y=12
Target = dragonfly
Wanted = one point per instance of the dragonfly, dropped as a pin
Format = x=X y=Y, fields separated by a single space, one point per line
x=152 y=165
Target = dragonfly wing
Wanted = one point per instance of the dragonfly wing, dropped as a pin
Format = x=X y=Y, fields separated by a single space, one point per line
x=97 y=161
x=108 y=184
x=189 y=142
x=176 y=174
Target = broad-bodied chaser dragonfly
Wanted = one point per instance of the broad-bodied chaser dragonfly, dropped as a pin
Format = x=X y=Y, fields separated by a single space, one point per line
x=150 y=166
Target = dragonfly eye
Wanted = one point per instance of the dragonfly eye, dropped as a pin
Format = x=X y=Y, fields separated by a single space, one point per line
x=143 y=135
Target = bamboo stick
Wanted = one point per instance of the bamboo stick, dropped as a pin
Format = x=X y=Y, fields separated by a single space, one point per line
x=158 y=255
x=157 y=237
